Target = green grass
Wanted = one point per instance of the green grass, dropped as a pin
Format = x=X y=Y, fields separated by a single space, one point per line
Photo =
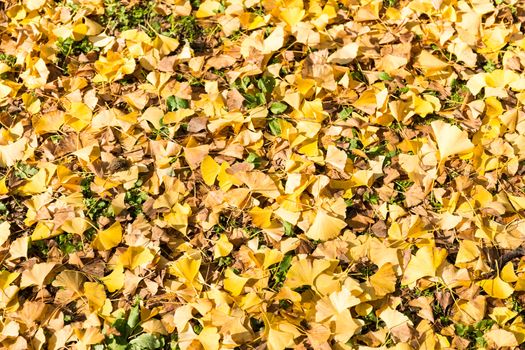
x=185 y=28
x=119 y=17
x=279 y=271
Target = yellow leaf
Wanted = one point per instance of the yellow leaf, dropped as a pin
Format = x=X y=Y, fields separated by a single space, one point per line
x=186 y=268
x=165 y=44
x=135 y=256
x=3 y=187
x=502 y=315
x=109 y=238
x=72 y=281
x=33 y=5
x=292 y=15
x=344 y=55
x=468 y=251
x=76 y=225
x=5 y=231
x=95 y=294
x=6 y=278
x=336 y=157
x=272 y=256
x=115 y=280
x=304 y=272
x=88 y=336
x=79 y=116
x=209 y=170
x=497 y=288
x=450 y=139
x=258 y=182
x=113 y=67
x=222 y=247
x=325 y=227
x=208 y=8
x=36 y=275
x=501 y=338
x=261 y=217
x=507 y=273
x=12 y=152
x=234 y=283
x=424 y=264
x=38 y=183
x=429 y=64
x=43 y=230
x=384 y=280
x=48 y=122
x=209 y=338
x=178 y=217
x=279 y=340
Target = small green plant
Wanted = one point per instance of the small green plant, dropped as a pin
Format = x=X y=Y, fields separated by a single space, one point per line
x=95 y=207
x=371 y=197
x=402 y=185
x=389 y=3
x=346 y=113
x=224 y=261
x=69 y=46
x=385 y=76
x=10 y=60
x=279 y=271
x=288 y=229
x=3 y=209
x=458 y=91
x=24 y=171
x=278 y=107
x=69 y=243
x=254 y=159
x=134 y=198
x=175 y=103
x=256 y=92
x=38 y=248
x=475 y=332
x=275 y=126
x=489 y=66
x=131 y=335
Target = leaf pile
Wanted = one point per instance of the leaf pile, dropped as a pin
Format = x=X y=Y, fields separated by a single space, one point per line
x=262 y=174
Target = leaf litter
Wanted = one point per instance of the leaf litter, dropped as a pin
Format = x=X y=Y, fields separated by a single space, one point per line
x=275 y=174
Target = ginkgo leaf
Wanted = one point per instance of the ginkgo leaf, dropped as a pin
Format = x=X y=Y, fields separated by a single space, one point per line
x=115 y=280
x=222 y=247
x=450 y=139
x=70 y=280
x=497 y=288
x=5 y=231
x=186 y=268
x=209 y=338
x=325 y=226
x=304 y=272
x=135 y=256
x=384 y=280
x=109 y=238
x=234 y=283
x=424 y=264
x=345 y=54
x=36 y=275
x=209 y=170
x=95 y=294
x=279 y=340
